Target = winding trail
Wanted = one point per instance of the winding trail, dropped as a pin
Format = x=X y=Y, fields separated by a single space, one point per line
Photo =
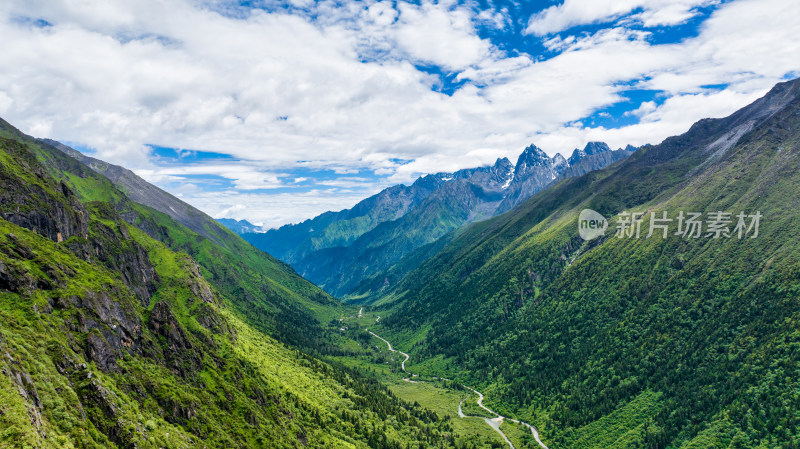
x=494 y=423
x=403 y=363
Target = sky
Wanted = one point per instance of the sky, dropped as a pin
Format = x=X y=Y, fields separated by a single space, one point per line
x=278 y=111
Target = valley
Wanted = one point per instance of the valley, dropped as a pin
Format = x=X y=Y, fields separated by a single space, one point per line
x=495 y=422
x=129 y=318
x=443 y=395
x=597 y=351
x=551 y=327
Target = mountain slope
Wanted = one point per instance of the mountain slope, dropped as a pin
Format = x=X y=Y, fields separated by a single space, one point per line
x=142 y=192
x=266 y=290
x=455 y=202
x=291 y=243
x=626 y=342
x=119 y=329
x=358 y=252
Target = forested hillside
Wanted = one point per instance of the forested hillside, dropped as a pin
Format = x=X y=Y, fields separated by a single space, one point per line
x=676 y=341
x=120 y=327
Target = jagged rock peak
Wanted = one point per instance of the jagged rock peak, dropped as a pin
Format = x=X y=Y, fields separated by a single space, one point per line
x=503 y=162
x=498 y=172
x=431 y=182
x=591 y=148
x=532 y=156
x=595 y=147
x=576 y=156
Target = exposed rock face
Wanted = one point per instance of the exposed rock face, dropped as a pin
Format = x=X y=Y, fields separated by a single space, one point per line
x=177 y=349
x=590 y=149
x=535 y=171
x=115 y=249
x=39 y=204
x=140 y=191
x=102 y=407
x=112 y=327
x=26 y=388
x=199 y=287
x=596 y=161
x=493 y=177
x=163 y=322
x=53 y=210
x=104 y=352
x=559 y=161
x=347 y=251
x=14 y=279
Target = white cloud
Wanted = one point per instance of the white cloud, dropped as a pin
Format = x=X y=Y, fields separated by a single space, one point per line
x=5 y=102
x=277 y=209
x=656 y=121
x=438 y=34
x=584 y=12
x=340 y=91
x=243 y=176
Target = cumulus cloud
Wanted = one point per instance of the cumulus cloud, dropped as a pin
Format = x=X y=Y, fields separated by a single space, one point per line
x=335 y=86
x=440 y=36
x=277 y=209
x=573 y=13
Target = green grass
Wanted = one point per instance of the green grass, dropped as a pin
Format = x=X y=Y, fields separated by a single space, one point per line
x=520 y=435
x=445 y=402
x=470 y=406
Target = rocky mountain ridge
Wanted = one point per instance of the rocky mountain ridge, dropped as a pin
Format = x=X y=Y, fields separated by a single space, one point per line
x=349 y=252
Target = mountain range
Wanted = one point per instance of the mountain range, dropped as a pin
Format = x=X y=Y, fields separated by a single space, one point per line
x=129 y=318
x=670 y=339
x=361 y=251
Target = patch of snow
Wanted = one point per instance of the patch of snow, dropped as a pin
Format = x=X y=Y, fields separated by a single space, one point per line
x=508 y=181
x=447 y=178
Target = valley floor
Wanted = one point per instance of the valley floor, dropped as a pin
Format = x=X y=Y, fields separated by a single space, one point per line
x=472 y=421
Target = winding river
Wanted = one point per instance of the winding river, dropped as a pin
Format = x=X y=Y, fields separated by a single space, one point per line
x=494 y=423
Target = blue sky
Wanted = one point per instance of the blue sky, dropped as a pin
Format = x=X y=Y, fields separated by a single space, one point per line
x=277 y=111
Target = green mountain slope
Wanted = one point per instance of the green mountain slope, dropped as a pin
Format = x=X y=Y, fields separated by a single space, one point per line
x=120 y=327
x=626 y=342
x=361 y=252
x=268 y=291
x=292 y=243
x=341 y=269
x=138 y=190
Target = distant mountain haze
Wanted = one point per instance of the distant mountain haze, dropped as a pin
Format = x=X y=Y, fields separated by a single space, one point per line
x=239 y=226
x=360 y=250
